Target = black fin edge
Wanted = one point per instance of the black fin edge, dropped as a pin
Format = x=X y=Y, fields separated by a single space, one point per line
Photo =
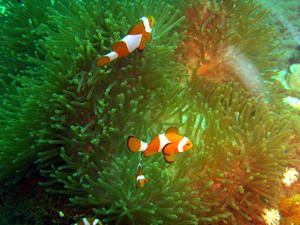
x=131 y=136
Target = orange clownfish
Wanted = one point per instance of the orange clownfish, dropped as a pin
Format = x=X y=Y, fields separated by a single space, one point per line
x=136 y=38
x=140 y=178
x=169 y=143
x=89 y=221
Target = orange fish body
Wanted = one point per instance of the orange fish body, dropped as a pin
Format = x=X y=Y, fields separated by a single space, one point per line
x=89 y=221
x=169 y=143
x=136 y=38
x=140 y=179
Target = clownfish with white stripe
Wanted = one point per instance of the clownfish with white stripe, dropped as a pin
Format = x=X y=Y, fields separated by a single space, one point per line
x=89 y=221
x=136 y=38
x=169 y=143
x=140 y=178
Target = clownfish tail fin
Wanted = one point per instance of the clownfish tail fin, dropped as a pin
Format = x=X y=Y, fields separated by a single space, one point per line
x=107 y=58
x=103 y=61
x=136 y=145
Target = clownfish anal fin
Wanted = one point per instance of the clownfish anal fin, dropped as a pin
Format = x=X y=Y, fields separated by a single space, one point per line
x=169 y=158
x=148 y=36
x=172 y=130
x=120 y=48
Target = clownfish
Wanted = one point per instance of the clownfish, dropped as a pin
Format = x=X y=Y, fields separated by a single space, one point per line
x=136 y=38
x=89 y=221
x=140 y=178
x=169 y=143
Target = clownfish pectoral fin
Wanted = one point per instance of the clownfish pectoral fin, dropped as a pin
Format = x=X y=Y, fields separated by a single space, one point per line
x=148 y=36
x=169 y=149
x=142 y=44
x=172 y=130
x=169 y=158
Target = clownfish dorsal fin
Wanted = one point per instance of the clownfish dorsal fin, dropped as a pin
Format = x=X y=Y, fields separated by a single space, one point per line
x=172 y=130
x=139 y=172
x=138 y=28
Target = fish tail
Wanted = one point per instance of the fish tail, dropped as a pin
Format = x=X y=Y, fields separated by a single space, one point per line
x=136 y=145
x=107 y=58
x=103 y=61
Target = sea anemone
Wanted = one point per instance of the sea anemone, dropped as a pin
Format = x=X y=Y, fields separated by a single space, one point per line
x=224 y=43
x=69 y=120
x=245 y=157
x=60 y=96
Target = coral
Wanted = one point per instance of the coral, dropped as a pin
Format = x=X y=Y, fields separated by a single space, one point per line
x=290 y=176
x=286 y=16
x=271 y=217
x=290 y=209
x=293 y=78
